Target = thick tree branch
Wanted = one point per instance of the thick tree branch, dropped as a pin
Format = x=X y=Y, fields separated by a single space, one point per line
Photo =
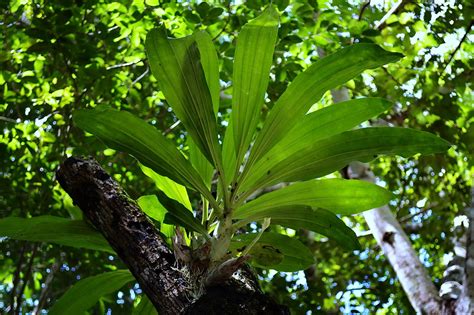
x=142 y=249
x=128 y=230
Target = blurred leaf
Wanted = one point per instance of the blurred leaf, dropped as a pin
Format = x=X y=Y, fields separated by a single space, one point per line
x=87 y=292
x=275 y=251
x=169 y=187
x=155 y=210
x=75 y=233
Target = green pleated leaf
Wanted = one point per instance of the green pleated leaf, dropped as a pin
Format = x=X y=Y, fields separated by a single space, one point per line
x=329 y=121
x=200 y=163
x=178 y=65
x=50 y=229
x=309 y=86
x=322 y=157
x=177 y=214
x=336 y=195
x=297 y=217
x=253 y=59
x=155 y=210
x=275 y=251
x=87 y=292
x=123 y=131
x=229 y=158
x=169 y=187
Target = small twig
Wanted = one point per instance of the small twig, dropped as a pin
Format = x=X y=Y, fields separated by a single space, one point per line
x=26 y=278
x=16 y=279
x=46 y=288
x=225 y=24
x=468 y=29
x=141 y=76
x=362 y=10
x=122 y=65
x=7 y=119
x=167 y=131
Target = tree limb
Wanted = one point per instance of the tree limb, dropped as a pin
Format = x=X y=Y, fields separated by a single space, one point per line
x=130 y=233
x=134 y=237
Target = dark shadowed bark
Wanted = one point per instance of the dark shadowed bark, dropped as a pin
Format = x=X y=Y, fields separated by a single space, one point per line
x=137 y=242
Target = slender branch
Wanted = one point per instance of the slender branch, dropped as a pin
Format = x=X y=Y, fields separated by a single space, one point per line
x=123 y=65
x=16 y=279
x=362 y=10
x=46 y=288
x=225 y=24
x=26 y=278
x=468 y=29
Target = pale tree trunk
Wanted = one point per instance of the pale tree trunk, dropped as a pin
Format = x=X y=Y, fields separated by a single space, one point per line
x=465 y=303
x=396 y=246
x=398 y=249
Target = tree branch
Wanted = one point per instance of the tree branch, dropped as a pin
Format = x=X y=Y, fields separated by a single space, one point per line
x=136 y=241
x=130 y=233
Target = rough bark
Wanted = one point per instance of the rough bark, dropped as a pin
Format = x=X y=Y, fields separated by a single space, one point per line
x=398 y=249
x=137 y=242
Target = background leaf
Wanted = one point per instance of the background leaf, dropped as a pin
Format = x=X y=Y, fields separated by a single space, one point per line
x=50 y=229
x=296 y=256
x=87 y=292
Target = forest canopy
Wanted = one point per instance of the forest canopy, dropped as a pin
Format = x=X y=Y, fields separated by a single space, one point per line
x=72 y=71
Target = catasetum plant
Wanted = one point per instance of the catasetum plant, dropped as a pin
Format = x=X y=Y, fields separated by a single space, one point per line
x=291 y=146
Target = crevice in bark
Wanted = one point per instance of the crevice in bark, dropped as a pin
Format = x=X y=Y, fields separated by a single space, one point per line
x=138 y=243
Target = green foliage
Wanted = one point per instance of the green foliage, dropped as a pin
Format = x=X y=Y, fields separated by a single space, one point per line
x=75 y=233
x=86 y=292
x=57 y=58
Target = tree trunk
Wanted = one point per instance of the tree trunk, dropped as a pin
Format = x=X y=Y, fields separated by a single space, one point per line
x=465 y=303
x=137 y=242
x=396 y=246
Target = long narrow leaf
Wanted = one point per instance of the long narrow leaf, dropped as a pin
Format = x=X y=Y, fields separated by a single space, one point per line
x=329 y=121
x=275 y=251
x=169 y=187
x=325 y=156
x=253 y=59
x=87 y=292
x=155 y=210
x=336 y=195
x=309 y=87
x=75 y=233
x=177 y=65
x=304 y=217
x=123 y=131
x=179 y=215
